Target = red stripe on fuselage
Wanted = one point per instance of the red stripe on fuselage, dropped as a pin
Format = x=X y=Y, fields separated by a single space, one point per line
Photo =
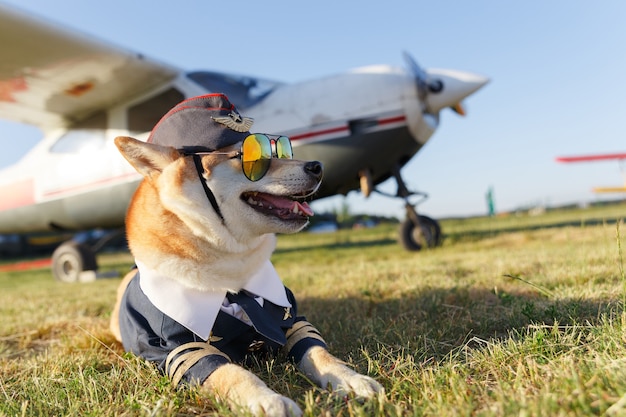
x=18 y=194
x=343 y=129
x=87 y=186
x=396 y=119
x=309 y=135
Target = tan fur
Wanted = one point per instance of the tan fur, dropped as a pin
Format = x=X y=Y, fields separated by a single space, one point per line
x=241 y=388
x=172 y=229
x=328 y=371
x=147 y=242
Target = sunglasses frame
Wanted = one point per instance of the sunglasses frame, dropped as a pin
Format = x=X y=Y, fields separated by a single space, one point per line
x=273 y=141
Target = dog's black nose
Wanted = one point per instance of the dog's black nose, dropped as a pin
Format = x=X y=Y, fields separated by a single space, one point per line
x=314 y=168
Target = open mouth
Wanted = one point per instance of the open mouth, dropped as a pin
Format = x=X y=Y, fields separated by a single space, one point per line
x=283 y=207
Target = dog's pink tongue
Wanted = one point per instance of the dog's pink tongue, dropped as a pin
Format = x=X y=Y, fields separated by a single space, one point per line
x=295 y=207
x=304 y=207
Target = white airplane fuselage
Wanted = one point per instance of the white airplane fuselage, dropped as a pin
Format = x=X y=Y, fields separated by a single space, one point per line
x=369 y=118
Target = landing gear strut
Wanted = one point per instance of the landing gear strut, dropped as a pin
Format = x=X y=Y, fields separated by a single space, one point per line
x=417 y=231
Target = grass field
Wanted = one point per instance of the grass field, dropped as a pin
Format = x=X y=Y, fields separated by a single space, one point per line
x=511 y=316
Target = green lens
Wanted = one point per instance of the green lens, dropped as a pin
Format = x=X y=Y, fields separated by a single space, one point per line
x=283 y=148
x=256 y=154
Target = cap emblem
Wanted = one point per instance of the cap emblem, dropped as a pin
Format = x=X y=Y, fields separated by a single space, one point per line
x=235 y=122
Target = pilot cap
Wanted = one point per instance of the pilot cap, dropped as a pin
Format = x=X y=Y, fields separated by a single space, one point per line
x=201 y=124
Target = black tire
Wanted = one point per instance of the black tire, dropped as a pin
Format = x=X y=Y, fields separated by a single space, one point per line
x=410 y=236
x=70 y=259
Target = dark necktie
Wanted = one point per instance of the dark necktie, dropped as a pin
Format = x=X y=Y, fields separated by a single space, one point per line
x=262 y=320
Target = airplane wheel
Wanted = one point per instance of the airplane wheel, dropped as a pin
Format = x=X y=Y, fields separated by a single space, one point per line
x=70 y=259
x=413 y=239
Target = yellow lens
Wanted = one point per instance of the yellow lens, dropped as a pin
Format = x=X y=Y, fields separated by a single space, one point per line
x=256 y=154
x=283 y=148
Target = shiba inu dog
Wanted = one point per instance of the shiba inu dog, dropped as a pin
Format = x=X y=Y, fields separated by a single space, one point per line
x=205 y=296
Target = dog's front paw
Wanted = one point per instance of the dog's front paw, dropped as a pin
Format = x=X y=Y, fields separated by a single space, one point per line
x=242 y=389
x=326 y=370
x=273 y=404
x=360 y=385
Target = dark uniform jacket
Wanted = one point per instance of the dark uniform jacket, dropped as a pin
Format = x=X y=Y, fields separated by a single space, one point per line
x=183 y=355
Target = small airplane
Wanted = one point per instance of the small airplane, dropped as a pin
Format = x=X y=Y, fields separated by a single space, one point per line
x=619 y=156
x=363 y=125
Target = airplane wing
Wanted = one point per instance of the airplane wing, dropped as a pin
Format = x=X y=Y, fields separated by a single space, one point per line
x=51 y=76
x=588 y=158
x=598 y=157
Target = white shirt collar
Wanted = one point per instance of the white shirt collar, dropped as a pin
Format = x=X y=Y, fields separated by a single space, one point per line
x=197 y=310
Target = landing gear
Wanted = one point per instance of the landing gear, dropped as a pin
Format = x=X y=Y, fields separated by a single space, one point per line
x=426 y=233
x=71 y=259
x=74 y=261
x=417 y=231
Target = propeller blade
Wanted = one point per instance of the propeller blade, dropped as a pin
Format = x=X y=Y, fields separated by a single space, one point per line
x=421 y=78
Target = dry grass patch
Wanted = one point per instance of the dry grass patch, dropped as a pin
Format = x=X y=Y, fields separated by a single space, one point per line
x=506 y=318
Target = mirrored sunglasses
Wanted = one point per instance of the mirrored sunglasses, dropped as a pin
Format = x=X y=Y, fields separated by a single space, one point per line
x=256 y=153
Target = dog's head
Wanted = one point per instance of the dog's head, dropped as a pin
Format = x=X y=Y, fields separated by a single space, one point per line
x=193 y=160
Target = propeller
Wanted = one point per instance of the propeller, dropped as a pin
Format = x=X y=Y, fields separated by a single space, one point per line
x=424 y=84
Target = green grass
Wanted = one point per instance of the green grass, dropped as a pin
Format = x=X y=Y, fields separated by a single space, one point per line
x=511 y=316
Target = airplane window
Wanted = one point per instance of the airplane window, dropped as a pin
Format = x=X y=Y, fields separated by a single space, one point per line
x=242 y=91
x=143 y=116
x=88 y=134
x=77 y=140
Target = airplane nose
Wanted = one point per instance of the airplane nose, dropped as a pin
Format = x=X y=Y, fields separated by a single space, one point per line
x=314 y=168
x=455 y=86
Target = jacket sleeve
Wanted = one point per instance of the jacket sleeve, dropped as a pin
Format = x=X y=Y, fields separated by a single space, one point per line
x=154 y=336
x=301 y=336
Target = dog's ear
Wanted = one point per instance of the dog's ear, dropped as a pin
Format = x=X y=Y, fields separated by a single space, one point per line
x=146 y=158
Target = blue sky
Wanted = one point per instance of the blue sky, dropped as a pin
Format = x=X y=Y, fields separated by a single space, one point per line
x=557 y=85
